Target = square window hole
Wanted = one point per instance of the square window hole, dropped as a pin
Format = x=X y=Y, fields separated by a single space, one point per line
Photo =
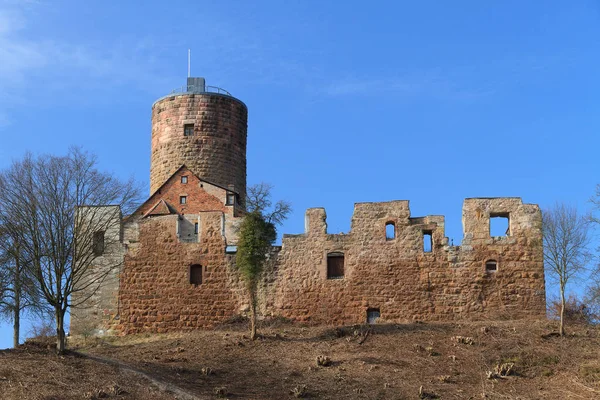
x=499 y=224
x=373 y=315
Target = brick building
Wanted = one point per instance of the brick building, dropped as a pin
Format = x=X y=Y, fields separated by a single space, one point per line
x=178 y=248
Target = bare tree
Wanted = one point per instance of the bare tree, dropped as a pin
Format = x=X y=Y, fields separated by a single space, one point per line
x=566 y=239
x=256 y=237
x=19 y=291
x=54 y=208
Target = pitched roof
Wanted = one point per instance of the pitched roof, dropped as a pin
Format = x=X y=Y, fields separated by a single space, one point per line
x=161 y=208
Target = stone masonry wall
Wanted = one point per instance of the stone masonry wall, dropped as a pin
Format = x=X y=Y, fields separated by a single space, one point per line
x=95 y=302
x=215 y=152
x=394 y=275
x=156 y=294
x=404 y=282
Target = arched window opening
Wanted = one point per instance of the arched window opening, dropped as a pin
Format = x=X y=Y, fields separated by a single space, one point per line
x=427 y=241
x=335 y=265
x=390 y=231
x=196 y=274
x=491 y=266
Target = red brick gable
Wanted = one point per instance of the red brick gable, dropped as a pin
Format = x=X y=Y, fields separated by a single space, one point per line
x=197 y=199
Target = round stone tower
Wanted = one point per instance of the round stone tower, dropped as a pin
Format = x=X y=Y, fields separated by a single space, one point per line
x=205 y=128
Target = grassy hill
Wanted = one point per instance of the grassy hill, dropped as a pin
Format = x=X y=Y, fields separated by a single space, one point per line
x=426 y=360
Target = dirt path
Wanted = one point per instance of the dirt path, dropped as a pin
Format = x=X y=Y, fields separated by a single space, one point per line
x=161 y=384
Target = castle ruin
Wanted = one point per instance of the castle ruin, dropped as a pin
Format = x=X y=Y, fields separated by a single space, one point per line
x=177 y=250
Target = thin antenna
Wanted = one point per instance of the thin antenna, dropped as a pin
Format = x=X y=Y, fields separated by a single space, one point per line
x=189 y=61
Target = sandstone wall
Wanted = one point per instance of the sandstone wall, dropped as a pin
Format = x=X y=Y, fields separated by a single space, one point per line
x=401 y=280
x=156 y=294
x=394 y=276
x=215 y=152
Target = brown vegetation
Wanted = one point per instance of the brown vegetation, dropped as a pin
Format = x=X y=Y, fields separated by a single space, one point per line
x=501 y=360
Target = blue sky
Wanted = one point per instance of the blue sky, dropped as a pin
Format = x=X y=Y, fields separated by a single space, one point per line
x=348 y=102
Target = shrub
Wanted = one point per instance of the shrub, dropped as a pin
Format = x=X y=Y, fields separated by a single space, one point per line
x=576 y=311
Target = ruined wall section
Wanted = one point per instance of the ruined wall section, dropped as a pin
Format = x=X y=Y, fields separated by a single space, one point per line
x=216 y=151
x=95 y=298
x=156 y=293
x=398 y=278
x=517 y=287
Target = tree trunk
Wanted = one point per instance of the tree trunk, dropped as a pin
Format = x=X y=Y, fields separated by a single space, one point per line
x=253 y=312
x=17 y=320
x=17 y=305
x=60 y=331
x=561 y=329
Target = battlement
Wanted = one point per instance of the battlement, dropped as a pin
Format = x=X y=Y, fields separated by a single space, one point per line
x=391 y=220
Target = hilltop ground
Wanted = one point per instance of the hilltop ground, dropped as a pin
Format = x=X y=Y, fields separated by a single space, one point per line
x=379 y=362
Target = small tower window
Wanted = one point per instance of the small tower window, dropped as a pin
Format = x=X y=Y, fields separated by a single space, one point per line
x=188 y=130
x=491 y=266
x=184 y=179
x=196 y=274
x=182 y=199
x=390 y=231
x=335 y=265
x=196 y=228
x=98 y=243
x=230 y=199
x=427 y=241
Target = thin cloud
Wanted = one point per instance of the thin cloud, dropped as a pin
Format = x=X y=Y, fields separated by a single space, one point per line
x=49 y=67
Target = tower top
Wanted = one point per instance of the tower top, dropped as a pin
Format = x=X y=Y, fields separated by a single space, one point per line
x=196 y=85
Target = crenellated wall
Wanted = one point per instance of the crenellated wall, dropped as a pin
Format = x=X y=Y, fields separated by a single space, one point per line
x=392 y=275
x=402 y=281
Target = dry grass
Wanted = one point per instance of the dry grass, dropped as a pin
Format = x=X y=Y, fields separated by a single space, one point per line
x=382 y=362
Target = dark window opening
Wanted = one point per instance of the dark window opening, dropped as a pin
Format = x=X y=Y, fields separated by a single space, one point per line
x=196 y=274
x=335 y=265
x=390 y=231
x=491 y=266
x=499 y=224
x=188 y=130
x=184 y=179
x=196 y=228
x=427 y=241
x=230 y=199
x=373 y=315
x=98 y=243
x=182 y=199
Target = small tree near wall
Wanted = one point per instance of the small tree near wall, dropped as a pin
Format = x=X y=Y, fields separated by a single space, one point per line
x=566 y=240
x=256 y=237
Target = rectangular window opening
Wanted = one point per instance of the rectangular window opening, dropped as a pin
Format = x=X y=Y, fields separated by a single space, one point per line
x=98 y=243
x=491 y=266
x=184 y=179
x=230 y=199
x=196 y=274
x=499 y=224
x=390 y=231
x=373 y=314
x=188 y=130
x=196 y=228
x=335 y=266
x=427 y=241
x=182 y=199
